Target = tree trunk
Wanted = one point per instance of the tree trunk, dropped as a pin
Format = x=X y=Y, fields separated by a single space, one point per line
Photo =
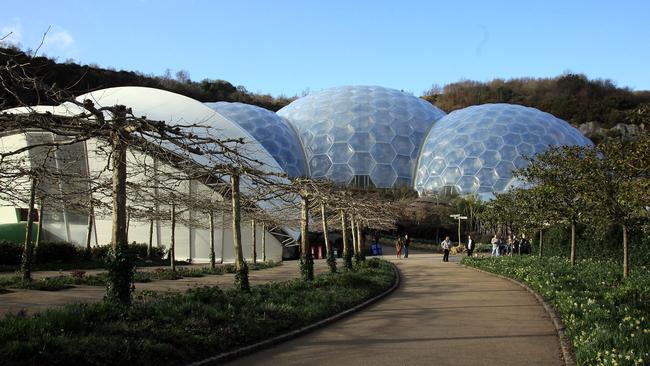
x=119 y=287
x=39 y=232
x=254 y=240
x=329 y=253
x=306 y=259
x=28 y=249
x=360 y=246
x=354 y=234
x=264 y=242
x=573 y=243
x=325 y=236
x=172 y=247
x=626 y=270
x=150 y=244
x=89 y=231
x=347 y=256
x=213 y=263
x=241 y=269
x=223 y=235
x=541 y=243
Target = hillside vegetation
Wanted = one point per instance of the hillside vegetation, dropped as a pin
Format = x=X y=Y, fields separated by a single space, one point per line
x=571 y=97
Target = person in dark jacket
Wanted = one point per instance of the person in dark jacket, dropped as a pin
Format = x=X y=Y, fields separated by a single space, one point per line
x=407 y=243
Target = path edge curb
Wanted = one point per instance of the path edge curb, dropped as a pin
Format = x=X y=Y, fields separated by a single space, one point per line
x=565 y=343
x=227 y=356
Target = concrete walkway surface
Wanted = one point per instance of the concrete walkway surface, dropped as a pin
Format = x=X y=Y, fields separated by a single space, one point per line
x=442 y=314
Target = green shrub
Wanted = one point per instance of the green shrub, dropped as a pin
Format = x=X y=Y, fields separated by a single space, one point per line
x=10 y=253
x=57 y=252
x=136 y=251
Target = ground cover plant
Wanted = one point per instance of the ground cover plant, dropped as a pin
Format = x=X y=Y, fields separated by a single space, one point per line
x=79 y=277
x=606 y=316
x=178 y=328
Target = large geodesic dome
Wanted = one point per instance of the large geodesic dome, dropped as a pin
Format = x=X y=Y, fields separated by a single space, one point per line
x=474 y=150
x=367 y=134
x=270 y=130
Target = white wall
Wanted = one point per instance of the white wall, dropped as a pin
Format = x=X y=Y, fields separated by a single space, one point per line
x=191 y=242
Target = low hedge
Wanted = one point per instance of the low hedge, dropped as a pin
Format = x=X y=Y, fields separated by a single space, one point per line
x=173 y=329
x=63 y=253
x=606 y=316
x=10 y=253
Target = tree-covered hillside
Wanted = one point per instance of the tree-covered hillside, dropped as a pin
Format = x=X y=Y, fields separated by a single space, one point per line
x=572 y=97
x=78 y=79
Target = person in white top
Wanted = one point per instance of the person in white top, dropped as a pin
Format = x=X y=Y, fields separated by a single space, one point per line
x=446 y=245
x=470 y=246
x=495 y=246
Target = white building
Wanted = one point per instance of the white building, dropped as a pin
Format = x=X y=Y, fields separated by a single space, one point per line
x=67 y=223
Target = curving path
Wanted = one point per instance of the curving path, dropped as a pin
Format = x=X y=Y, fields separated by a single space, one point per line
x=442 y=314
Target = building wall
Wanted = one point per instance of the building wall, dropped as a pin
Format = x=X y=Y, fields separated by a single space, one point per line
x=62 y=224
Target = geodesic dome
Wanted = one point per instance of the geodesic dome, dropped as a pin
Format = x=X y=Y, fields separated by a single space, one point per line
x=362 y=133
x=475 y=149
x=270 y=130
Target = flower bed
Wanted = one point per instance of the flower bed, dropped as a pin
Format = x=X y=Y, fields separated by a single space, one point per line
x=606 y=316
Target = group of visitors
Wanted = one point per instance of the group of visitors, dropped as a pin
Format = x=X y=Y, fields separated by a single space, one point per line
x=511 y=245
x=402 y=244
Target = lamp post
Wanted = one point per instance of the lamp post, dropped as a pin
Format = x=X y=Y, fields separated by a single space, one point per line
x=458 y=217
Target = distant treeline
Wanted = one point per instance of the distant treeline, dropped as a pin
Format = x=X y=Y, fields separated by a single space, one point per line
x=572 y=97
x=79 y=79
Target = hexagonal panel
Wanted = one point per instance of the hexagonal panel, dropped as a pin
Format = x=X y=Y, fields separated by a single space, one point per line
x=403 y=166
x=382 y=133
x=383 y=175
x=361 y=163
x=470 y=166
x=451 y=175
x=487 y=176
x=468 y=183
x=402 y=145
x=382 y=152
x=340 y=152
x=490 y=158
x=319 y=165
x=504 y=169
x=340 y=173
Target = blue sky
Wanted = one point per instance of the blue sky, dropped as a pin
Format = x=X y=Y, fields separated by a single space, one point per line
x=287 y=47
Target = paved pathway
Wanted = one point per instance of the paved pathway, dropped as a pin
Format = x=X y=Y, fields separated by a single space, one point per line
x=31 y=301
x=442 y=314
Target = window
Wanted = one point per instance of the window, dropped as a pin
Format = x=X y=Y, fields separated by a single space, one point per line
x=23 y=212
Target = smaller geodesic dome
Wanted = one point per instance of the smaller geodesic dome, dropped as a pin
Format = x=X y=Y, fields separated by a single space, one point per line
x=475 y=150
x=365 y=135
x=270 y=130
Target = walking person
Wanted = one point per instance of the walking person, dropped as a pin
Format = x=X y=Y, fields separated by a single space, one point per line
x=407 y=242
x=495 y=246
x=446 y=245
x=398 y=247
x=470 y=246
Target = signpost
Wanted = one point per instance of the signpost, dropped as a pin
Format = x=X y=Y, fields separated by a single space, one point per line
x=458 y=217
